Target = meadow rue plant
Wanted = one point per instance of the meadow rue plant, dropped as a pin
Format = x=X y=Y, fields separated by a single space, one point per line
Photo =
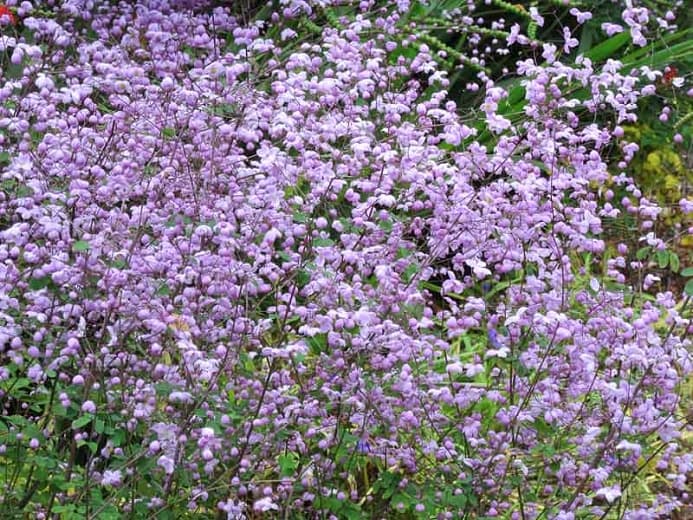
x=251 y=269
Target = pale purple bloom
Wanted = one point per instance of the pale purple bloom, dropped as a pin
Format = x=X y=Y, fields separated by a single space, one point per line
x=611 y=28
x=610 y=493
x=181 y=397
x=570 y=42
x=111 y=478
x=35 y=372
x=581 y=16
x=362 y=446
x=166 y=463
x=265 y=504
x=536 y=17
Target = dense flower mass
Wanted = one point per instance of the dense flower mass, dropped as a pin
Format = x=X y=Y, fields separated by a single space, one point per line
x=259 y=263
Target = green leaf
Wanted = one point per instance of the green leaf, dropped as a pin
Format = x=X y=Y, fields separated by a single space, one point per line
x=674 y=262
x=457 y=501
x=607 y=48
x=403 y=252
x=81 y=422
x=301 y=218
x=81 y=246
x=118 y=437
x=302 y=278
x=317 y=344
x=385 y=225
x=288 y=464
x=668 y=54
x=387 y=484
x=24 y=191
x=36 y=284
x=587 y=37
x=111 y=513
x=687 y=272
x=662 y=258
x=351 y=511
x=168 y=132
x=689 y=288
x=401 y=498
x=410 y=272
x=418 y=11
x=89 y=444
x=163 y=389
x=119 y=263
x=642 y=253
x=500 y=286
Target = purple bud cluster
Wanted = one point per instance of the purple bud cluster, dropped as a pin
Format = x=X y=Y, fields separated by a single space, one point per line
x=234 y=248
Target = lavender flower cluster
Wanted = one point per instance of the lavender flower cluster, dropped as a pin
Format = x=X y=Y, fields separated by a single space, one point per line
x=251 y=259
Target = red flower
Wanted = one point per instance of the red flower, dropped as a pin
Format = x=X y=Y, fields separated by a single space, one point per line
x=5 y=11
x=670 y=74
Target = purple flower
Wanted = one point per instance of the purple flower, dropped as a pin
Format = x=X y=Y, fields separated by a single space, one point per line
x=167 y=463
x=610 y=493
x=570 y=42
x=581 y=16
x=265 y=504
x=287 y=230
x=111 y=478
x=493 y=339
x=363 y=447
x=611 y=28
